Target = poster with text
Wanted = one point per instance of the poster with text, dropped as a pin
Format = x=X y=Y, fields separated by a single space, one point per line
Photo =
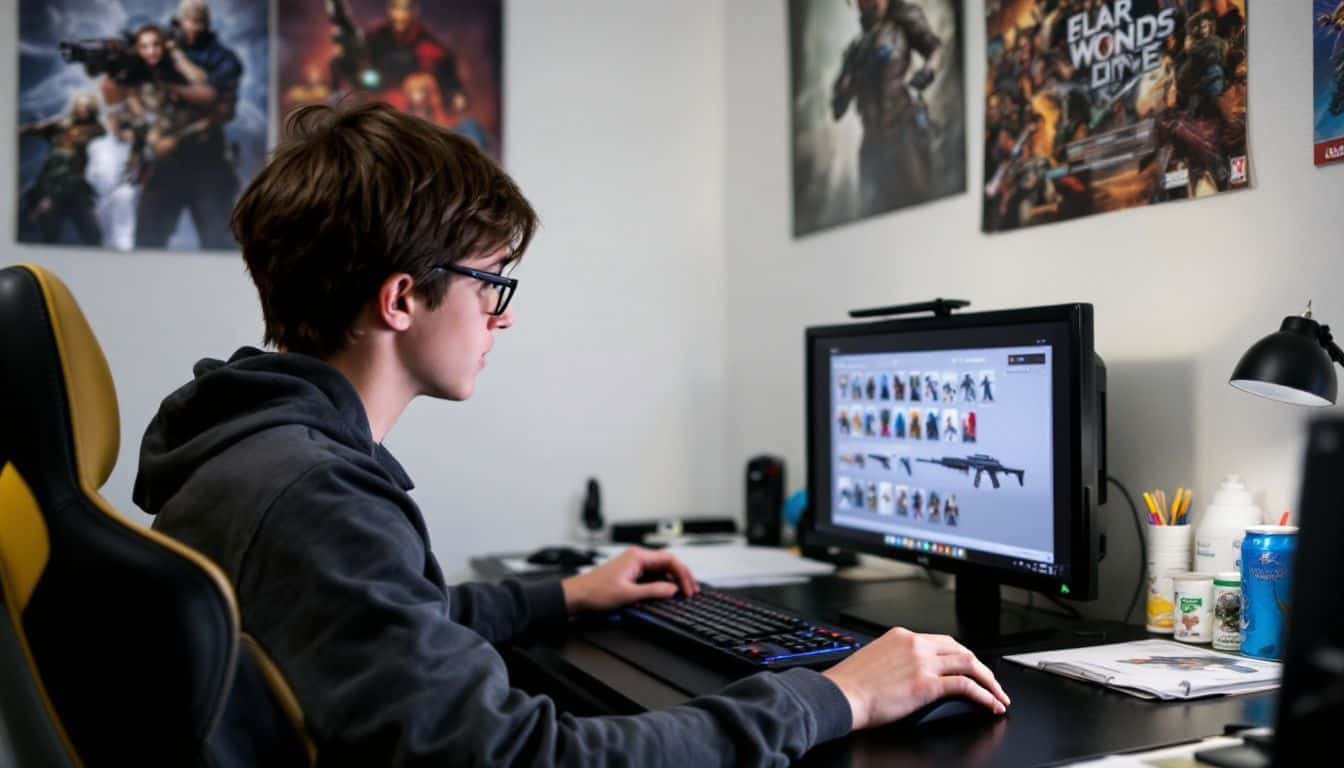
x=1102 y=105
x=1328 y=84
x=139 y=120
x=438 y=60
x=878 y=103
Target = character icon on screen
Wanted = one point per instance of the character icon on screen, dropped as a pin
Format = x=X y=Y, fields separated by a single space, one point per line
x=850 y=495
x=856 y=421
x=884 y=391
x=987 y=388
x=931 y=388
x=886 y=500
x=968 y=428
x=916 y=425
x=898 y=386
x=856 y=388
x=917 y=504
x=968 y=388
x=902 y=501
x=872 y=388
x=951 y=511
x=899 y=426
x=931 y=426
x=935 y=507
x=915 y=385
x=843 y=381
x=843 y=420
x=869 y=422
x=949 y=387
x=871 y=497
x=885 y=418
x=950 y=426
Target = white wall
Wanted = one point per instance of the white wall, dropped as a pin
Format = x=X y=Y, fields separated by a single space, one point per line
x=1180 y=290
x=615 y=365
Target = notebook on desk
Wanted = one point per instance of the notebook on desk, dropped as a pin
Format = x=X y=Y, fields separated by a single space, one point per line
x=1158 y=669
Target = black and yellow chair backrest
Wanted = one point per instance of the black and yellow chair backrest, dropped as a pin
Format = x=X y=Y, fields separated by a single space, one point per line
x=118 y=645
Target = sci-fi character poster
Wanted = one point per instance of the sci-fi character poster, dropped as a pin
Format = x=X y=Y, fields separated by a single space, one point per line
x=439 y=60
x=1328 y=86
x=878 y=107
x=139 y=120
x=1102 y=105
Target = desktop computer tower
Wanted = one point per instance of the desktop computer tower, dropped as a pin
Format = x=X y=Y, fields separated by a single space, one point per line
x=765 y=500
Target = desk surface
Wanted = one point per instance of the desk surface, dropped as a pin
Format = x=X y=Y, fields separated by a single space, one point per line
x=600 y=668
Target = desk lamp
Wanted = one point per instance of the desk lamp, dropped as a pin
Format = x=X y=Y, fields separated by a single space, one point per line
x=1292 y=365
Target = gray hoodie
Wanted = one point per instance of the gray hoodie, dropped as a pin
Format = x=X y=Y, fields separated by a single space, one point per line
x=266 y=465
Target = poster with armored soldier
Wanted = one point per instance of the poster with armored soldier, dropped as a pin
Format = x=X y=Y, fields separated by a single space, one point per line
x=139 y=120
x=878 y=107
x=439 y=60
x=1103 y=105
x=1327 y=21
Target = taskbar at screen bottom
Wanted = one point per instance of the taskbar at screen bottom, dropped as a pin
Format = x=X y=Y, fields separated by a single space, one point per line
x=1015 y=564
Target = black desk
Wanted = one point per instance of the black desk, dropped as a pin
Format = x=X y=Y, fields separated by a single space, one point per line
x=599 y=668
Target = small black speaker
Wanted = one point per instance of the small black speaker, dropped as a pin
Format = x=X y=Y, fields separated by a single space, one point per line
x=765 y=500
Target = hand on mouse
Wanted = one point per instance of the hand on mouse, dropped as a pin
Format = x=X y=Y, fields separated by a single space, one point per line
x=616 y=582
x=902 y=671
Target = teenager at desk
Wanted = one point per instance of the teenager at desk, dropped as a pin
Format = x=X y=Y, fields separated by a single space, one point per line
x=378 y=244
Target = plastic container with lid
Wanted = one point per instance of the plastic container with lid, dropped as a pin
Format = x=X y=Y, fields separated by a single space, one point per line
x=1218 y=537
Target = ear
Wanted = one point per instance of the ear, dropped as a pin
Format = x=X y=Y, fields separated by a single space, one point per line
x=395 y=301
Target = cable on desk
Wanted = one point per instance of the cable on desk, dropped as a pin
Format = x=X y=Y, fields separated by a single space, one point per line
x=1143 y=546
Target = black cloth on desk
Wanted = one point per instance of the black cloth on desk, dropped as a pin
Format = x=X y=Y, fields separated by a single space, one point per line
x=266 y=464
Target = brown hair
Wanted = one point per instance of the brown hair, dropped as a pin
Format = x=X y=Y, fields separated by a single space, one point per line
x=354 y=194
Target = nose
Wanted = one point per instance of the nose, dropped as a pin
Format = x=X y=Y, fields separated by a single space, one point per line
x=499 y=322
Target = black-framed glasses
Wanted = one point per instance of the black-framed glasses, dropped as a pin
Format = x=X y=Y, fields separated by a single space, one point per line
x=504 y=286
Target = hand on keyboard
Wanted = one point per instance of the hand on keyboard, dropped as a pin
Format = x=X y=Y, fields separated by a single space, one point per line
x=617 y=582
x=902 y=671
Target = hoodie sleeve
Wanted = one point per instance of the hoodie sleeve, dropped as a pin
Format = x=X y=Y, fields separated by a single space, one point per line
x=501 y=612
x=337 y=594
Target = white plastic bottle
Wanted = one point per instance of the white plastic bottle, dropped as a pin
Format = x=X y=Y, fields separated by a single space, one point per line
x=1218 y=537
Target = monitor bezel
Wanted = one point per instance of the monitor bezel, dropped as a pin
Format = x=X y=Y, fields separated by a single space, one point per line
x=1075 y=489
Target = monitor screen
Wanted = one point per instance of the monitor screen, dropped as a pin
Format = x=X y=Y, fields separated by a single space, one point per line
x=958 y=443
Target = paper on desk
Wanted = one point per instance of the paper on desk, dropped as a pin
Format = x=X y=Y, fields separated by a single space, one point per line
x=739 y=565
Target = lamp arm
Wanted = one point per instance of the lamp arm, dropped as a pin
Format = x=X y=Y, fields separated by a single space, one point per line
x=1331 y=348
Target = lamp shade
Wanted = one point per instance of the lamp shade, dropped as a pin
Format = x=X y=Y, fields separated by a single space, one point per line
x=1291 y=366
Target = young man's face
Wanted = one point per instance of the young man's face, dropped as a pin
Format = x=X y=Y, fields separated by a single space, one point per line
x=446 y=347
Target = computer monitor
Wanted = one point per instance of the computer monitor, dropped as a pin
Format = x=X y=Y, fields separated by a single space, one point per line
x=971 y=443
x=1311 y=702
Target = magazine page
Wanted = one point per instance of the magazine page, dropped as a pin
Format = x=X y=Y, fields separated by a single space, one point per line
x=1162 y=668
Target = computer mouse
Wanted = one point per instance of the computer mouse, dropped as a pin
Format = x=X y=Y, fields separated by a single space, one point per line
x=565 y=557
x=948 y=708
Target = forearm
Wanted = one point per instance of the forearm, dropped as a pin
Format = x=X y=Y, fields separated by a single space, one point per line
x=193 y=74
x=500 y=612
x=200 y=95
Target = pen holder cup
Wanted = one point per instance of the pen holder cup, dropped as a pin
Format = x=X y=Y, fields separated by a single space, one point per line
x=1168 y=554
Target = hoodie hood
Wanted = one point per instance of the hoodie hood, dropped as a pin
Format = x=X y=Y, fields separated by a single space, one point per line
x=227 y=402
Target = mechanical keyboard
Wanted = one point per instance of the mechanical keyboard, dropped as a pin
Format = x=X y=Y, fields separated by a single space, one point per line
x=727 y=628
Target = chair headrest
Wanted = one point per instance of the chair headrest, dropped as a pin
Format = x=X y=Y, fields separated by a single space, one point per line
x=56 y=378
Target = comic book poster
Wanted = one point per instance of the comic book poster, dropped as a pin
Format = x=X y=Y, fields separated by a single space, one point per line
x=879 y=115
x=139 y=120
x=1328 y=85
x=439 y=60
x=1101 y=105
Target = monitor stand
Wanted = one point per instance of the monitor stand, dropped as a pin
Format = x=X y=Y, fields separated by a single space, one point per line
x=976 y=616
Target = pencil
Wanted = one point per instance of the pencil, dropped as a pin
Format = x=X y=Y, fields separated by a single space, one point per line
x=1154 y=508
